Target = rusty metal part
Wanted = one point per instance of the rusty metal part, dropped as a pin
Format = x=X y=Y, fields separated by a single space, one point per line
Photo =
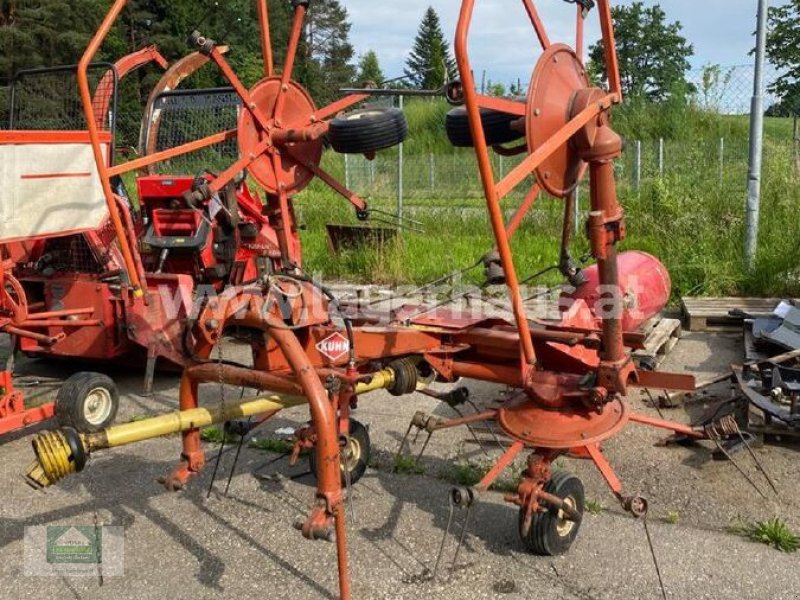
x=122 y=67
x=564 y=428
x=558 y=76
x=274 y=171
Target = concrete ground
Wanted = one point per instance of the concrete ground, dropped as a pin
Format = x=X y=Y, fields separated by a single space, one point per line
x=183 y=545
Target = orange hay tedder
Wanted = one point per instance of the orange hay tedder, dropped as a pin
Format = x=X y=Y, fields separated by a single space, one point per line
x=569 y=378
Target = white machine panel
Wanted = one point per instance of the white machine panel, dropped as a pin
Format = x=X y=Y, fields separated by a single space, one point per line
x=47 y=188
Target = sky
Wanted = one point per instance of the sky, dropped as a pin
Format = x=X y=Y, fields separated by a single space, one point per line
x=720 y=30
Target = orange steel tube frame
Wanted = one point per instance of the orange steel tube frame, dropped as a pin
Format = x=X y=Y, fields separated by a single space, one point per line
x=94 y=136
x=495 y=191
x=266 y=42
x=323 y=414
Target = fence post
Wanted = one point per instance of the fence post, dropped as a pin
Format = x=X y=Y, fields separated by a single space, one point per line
x=637 y=167
x=577 y=210
x=502 y=168
x=347 y=171
x=661 y=157
x=400 y=172
x=756 y=141
x=721 y=161
x=431 y=167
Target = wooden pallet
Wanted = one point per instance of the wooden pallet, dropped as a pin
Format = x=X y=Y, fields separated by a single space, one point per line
x=708 y=314
x=662 y=335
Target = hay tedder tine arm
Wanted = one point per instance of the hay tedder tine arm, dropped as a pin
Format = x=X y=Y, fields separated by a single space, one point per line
x=337 y=187
x=527 y=166
x=266 y=43
x=335 y=107
x=151 y=159
x=538 y=26
x=243 y=93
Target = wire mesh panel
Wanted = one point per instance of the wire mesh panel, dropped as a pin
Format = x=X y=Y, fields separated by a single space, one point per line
x=49 y=98
x=183 y=116
x=5 y=95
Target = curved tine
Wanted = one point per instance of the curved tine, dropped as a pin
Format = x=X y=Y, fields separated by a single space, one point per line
x=538 y=26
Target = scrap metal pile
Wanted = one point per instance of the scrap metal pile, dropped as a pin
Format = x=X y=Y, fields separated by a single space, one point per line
x=569 y=378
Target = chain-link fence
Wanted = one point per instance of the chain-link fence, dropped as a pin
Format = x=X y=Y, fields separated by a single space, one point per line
x=729 y=90
x=452 y=179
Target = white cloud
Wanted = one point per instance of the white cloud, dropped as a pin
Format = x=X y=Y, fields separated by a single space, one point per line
x=503 y=43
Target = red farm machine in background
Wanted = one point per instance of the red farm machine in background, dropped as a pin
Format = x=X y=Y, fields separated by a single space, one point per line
x=568 y=379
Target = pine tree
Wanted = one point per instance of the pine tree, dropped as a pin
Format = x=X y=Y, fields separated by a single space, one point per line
x=325 y=64
x=369 y=70
x=430 y=63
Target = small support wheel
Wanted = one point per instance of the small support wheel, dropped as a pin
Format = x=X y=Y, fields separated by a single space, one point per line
x=87 y=402
x=551 y=533
x=368 y=130
x=355 y=454
x=496 y=127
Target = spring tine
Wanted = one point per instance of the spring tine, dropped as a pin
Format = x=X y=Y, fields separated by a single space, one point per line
x=489 y=427
x=444 y=539
x=216 y=464
x=233 y=467
x=471 y=430
x=655 y=560
x=713 y=437
x=403 y=442
x=757 y=462
x=653 y=401
x=425 y=445
x=461 y=538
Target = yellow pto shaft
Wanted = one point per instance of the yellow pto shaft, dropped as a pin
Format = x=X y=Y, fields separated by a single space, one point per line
x=64 y=451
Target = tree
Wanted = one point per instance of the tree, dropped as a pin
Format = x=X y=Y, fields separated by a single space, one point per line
x=369 y=70
x=653 y=55
x=430 y=63
x=326 y=64
x=495 y=89
x=783 y=50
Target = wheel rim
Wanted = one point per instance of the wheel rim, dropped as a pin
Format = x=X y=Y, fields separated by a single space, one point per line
x=360 y=115
x=351 y=454
x=97 y=405
x=564 y=526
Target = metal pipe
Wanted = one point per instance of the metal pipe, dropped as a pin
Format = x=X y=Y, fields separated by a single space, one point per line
x=97 y=149
x=62 y=452
x=487 y=177
x=756 y=141
x=266 y=43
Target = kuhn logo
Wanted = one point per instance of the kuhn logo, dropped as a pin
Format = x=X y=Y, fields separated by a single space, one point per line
x=334 y=346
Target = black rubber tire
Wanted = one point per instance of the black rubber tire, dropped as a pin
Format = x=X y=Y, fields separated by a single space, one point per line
x=72 y=402
x=496 y=127
x=544 y=537
x=358 y=435
x=367 y=130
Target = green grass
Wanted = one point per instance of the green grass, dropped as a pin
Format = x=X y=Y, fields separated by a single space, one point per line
x=407 y=465
x=772 y=532
x=470 y=473
x=593 y=507
x=673 y=516
x=213 y=435
x=691 y=220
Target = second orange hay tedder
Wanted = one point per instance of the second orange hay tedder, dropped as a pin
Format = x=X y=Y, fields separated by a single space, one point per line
x=569 y=379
